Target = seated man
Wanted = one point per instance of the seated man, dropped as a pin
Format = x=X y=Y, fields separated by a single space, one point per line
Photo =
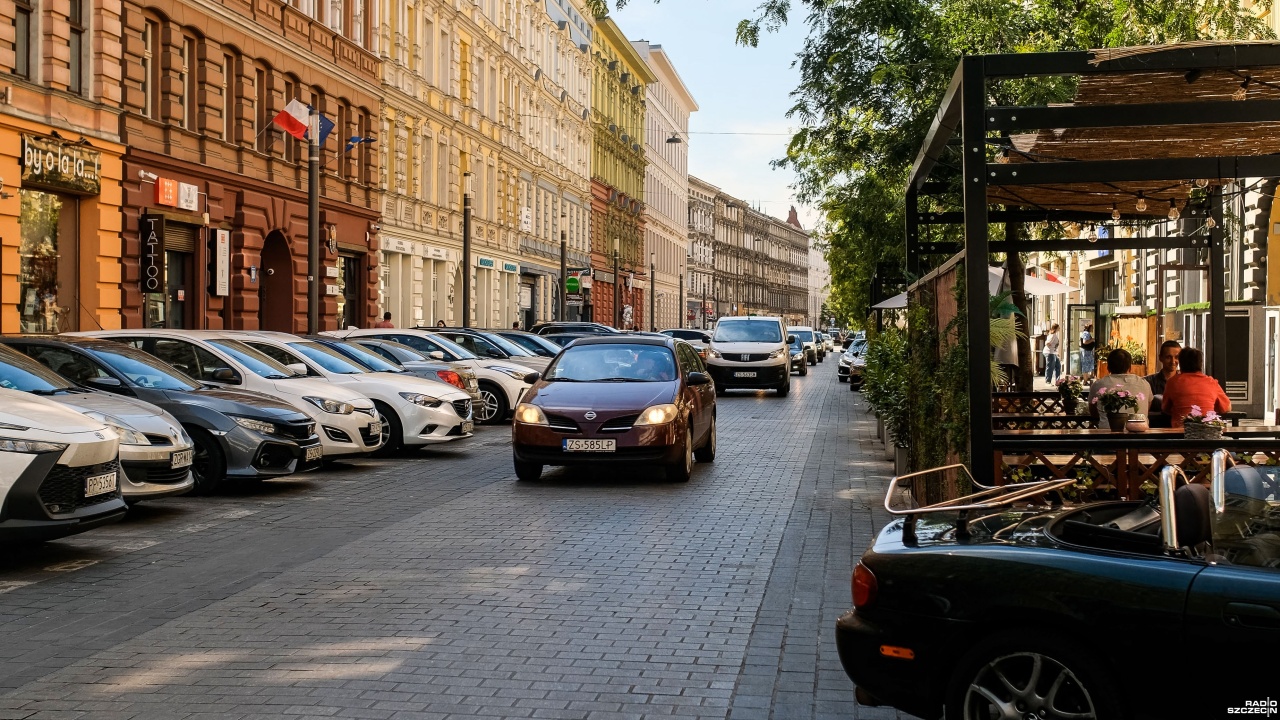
x=1119 y=362
x=1169 y=350
x=1192 y=387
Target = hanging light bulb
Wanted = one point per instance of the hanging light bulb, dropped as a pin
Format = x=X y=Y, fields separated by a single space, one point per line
x=1173 y=211
x=1202 y=183
x=1243 y=91
x=1092 y=235
x=1141 y=205
x=1210 y=223
x=1115 y=212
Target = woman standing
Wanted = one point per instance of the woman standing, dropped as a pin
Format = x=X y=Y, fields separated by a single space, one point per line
x=1087 y=344
x=1052 y=363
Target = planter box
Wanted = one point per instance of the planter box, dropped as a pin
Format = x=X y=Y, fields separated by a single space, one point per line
x=900 y=461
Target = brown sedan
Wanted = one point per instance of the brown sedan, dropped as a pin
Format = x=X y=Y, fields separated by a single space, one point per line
x=618 y=399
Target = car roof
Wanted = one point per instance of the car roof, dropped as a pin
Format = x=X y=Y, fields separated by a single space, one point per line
x=655 y=340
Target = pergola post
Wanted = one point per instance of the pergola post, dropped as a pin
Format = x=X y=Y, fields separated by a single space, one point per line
x=913 y=232
x=1217 y=355
x=977 y=304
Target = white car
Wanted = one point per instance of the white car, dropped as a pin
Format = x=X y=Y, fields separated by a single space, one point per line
x=699 y=339
x=750 y=352
x=809 y=339
x=346 y=420
x=59 y=470
x=155 y=452
x=414 y=411
x=502 y=384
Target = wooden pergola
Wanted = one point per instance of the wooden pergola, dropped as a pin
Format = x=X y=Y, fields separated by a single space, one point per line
x=1149 y=127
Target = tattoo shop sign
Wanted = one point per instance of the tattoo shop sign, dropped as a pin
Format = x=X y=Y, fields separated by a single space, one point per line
x=151 y=263
x=53 y=164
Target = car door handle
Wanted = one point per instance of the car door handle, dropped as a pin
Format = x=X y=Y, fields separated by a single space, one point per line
x=1251 y=615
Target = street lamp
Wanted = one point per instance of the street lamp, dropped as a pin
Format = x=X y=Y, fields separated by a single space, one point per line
x=617 y=288
x=653 y=291
x=466 y=249
x=564 y=268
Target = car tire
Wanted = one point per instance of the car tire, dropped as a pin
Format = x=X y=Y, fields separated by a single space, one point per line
x=804 y=370
x=527 y=471
x=720 y=391
x=842 y=378
x=784 y=388
x=392 y=429
x=1087 y=687
x=682 y=469
x=208 y=463
x=493 y=410
x=707 y=453
x=813 y=359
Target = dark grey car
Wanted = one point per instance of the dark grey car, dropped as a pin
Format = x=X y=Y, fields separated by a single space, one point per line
x=236 y=434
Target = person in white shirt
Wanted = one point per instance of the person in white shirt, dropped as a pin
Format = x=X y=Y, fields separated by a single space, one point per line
x=1119 y=362
x=1052 y=362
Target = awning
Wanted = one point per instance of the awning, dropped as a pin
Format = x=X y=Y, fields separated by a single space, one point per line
x=1032 y=284
x=894 y=303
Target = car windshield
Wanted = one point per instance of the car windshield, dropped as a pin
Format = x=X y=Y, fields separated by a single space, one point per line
x=803 y=335
x=143 y=370
x=613 y=363
x=19 y=372
x=327 y=358
x=510 y=347
x=535 y=344
x=366 y=357
x=257 y=363
x=452 y=348
x=692 y=335
x=761 y=331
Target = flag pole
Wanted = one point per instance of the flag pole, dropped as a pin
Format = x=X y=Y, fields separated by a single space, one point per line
x=313 y=224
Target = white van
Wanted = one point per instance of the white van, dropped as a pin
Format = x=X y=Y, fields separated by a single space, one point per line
x=750 y=352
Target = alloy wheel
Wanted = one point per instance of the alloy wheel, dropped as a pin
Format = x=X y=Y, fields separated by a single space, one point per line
x=488 y=406
x=1027 y=686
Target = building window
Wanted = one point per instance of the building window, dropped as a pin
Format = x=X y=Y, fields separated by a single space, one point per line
x=228 y=89
x=47 y=263
x=357 y=22
x=334 y=19
x=150 y=69
x=187 y=83
x=290 y=146
x=22 y=38
x=75 y=19
x=261 y=134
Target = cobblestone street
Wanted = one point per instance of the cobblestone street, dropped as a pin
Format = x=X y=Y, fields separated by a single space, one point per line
x=435 y=585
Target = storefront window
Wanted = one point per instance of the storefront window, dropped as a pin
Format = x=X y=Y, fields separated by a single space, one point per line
x=348 y=291
x=47 y=263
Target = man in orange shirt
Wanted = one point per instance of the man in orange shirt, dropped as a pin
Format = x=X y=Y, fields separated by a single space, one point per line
x=1192 y=387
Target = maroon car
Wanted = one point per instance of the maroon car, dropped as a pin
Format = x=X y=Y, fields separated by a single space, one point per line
x=618 y=399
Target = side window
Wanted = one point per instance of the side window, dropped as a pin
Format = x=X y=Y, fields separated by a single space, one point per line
x=180 y=355
x=420 y=344
x=69 y=365
x=469 y=343
x=280 y=355
x=682 y=357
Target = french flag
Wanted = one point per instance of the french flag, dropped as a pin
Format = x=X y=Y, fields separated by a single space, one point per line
x=293 y=119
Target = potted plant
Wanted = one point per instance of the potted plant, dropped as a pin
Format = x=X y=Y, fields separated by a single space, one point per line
x=1117 y=404
x=1138 y=354
x=1200 y=425
x=1071 y=388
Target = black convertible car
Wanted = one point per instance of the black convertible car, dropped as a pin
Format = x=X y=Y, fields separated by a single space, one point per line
x=1008 y=605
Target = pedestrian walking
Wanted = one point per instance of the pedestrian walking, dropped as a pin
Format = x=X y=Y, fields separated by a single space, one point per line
x=385 y=322
x=1087 y=343
x=1052 y=363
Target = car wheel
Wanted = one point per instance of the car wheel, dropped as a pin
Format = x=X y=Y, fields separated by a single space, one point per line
x=208 y=464
x=841 y=378
x=707 y=453
x=804 y=370
x=719 y=390
x=813 y=359
x=784 y=388
x=527 y=471
x=1016 y=675
x=493 y=406
x=392 y=429
x=680 y=470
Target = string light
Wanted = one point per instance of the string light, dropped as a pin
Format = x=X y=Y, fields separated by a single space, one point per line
x=1173 y=211
x=1141 y=205
x=1202 y=183
x=1210 y=223
x=1243 y=90
x=1115 y=212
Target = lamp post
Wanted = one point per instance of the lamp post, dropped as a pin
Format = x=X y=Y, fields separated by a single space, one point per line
x=617 y=288
x=466 y=249
x=703 y=311
x=564 y=269
x=653 y=291
x=682 y=308
x=313 y=225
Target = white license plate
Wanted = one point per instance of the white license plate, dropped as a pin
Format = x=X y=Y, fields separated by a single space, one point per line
x=375 y=428
x=468 y=426
x=744 y=374
x=99 y=484
x=182 y=458
x=609 y=445
x=314 y=453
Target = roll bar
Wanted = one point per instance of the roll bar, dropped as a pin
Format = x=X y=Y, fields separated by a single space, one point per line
x=1168 y=513
x=1218 y=465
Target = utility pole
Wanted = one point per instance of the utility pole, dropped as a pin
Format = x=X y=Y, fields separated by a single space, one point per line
x=313 y=224
x=564 y=269
x=653 y=292
x=466 y=249
x=703 y=310
x=682 y=308
x=617 y=289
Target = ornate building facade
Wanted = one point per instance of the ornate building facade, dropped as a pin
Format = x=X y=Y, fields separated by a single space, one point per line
x=701 y=311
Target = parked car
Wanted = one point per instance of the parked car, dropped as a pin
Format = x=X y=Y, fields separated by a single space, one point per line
x=1021 y=606
x=750 y=352
x=699 y=339
x=806 y=336
x=798 y=362
x=492 y=346
x=618 y=400
x=414 y=411
x=563 y=339
x=501 y=383
x=236 y=434
x=851 y=366
x=59 y=470
x=585 y=328
x=347 y=421
x=384 y=356
x=155 y=452
x=535 y=344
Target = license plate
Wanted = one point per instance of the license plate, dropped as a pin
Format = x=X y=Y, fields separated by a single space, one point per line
x=99 y=484
x=744 y=374
x=314 y=453
x=609 y=445
x=182 y=458
x=468 y=426
x=375 y=428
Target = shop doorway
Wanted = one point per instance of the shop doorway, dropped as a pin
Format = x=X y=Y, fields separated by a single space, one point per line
x=48 y=277
x=1075 y=361
x=349 y=284
x=170 y=309
x=275 y=293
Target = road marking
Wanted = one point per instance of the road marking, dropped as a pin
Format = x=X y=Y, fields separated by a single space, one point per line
x=71 y=566
x=7 y=585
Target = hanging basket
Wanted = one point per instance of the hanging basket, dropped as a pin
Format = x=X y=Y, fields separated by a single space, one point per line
x=1201 y=431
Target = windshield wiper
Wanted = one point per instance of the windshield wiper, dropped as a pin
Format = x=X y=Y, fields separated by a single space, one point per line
x=563 y=379
x=45 y=393
x=281 y=377
x=620 y=379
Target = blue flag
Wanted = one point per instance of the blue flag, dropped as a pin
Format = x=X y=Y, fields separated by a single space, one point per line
x=326 y=127
x=356 y=140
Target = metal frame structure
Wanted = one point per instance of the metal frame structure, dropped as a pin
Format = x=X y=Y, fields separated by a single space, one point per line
x=965 y=113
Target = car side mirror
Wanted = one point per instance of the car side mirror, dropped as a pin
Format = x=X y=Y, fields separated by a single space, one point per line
x=532 y=377
x=436 y=355
x=297 y=368
x=791 y=339
x=226 y=375
x=698 y=378
x=105 y=383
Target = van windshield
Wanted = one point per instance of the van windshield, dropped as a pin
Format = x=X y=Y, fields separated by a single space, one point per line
x=761 y=331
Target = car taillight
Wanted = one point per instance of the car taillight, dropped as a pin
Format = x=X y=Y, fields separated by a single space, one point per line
x=452 y=378
x=864 y=586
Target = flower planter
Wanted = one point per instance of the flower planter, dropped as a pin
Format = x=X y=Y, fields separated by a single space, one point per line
x=900 y=461
x=1117 y=421
x=1201 y=431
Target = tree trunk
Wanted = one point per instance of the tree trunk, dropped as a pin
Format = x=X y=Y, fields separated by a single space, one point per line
x=1017 y=283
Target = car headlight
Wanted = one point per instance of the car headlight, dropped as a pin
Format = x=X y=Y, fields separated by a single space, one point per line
x=530 y=414
x=261 y=426
x=15 y=445
x=513 y=373
x=335 y=407
x=714 y=353
x=658 y=415
x=844 y=360
x=777 y=353
x=420 y=399
x=128 y=435
x=797 y=354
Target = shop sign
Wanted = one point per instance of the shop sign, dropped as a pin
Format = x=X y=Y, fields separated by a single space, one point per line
x=510 y=267
x=50 y=163
x=188 y=197
x=526 y=220
x=485 y=262
x=151 y=232
x=221 y=262
x=171 y=193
